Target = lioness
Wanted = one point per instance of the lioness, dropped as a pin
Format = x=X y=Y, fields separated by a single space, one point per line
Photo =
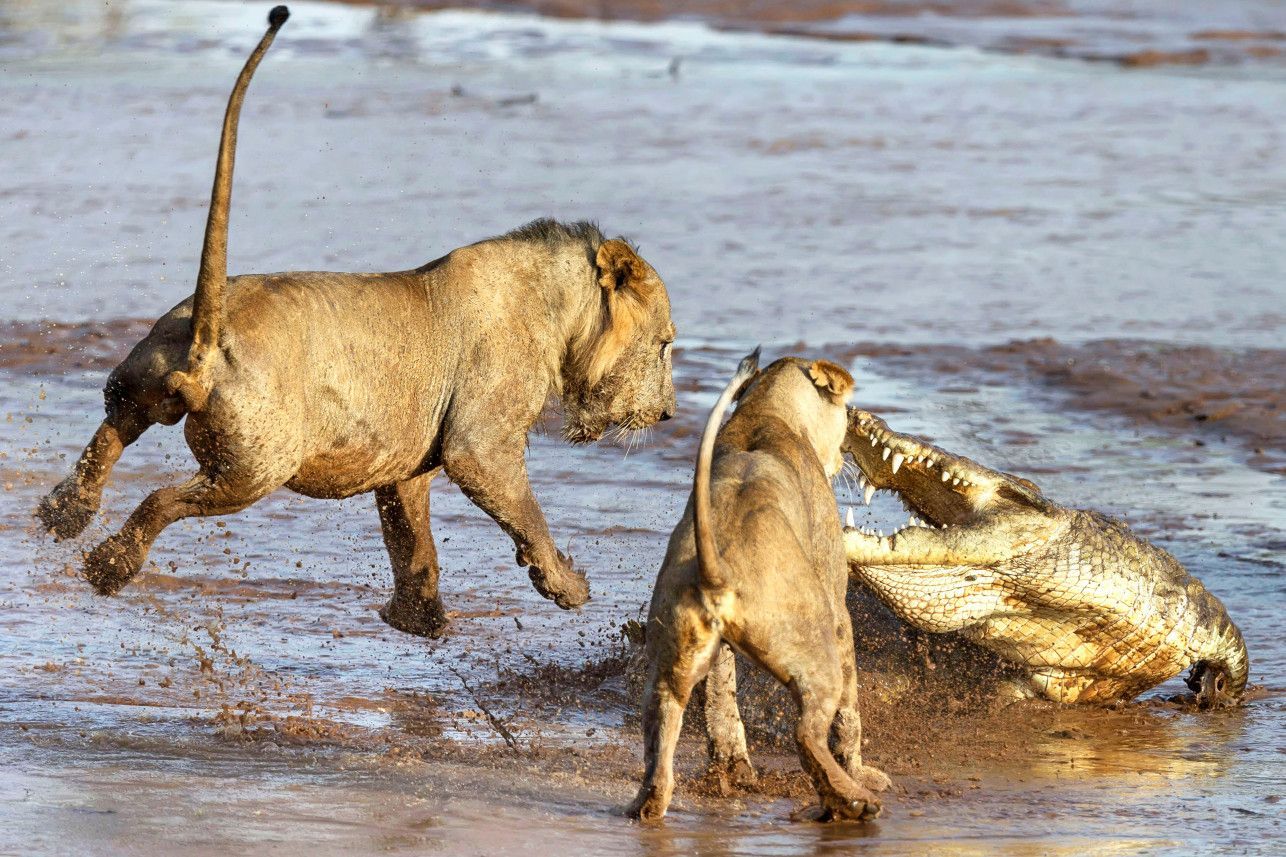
x=757 y=563
x=336 y=384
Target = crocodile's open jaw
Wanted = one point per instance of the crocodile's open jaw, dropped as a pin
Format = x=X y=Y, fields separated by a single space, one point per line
x=1090 y=610
x=939 y=489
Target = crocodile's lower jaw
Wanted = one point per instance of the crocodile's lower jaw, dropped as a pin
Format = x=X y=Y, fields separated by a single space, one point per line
x=914 y=521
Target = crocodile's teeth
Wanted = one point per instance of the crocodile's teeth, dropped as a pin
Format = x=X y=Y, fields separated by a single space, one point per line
x=928 y=462
x=861 y=480
x=946 y=474
x=897 y=461
x=955 y=481
x=848 y=517
x=887 y=453
x=874 y=440
x=881 y=532
x=868 y=494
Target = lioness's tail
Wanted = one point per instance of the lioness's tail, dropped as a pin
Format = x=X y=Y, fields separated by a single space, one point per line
x=708 y=570
x=212 y=279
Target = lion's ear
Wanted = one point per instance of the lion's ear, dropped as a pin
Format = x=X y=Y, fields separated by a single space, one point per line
x=832 y=380
x=620 y=267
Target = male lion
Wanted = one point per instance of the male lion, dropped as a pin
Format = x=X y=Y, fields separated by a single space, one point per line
x=757 y=563
x=336 y=384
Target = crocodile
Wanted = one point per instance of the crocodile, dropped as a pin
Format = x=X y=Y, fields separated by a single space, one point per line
x=1087 y=611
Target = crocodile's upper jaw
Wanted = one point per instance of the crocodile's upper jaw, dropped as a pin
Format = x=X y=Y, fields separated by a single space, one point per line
x=940 y=489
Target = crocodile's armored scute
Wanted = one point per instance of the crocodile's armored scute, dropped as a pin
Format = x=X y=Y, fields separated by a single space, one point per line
x=1089 y=610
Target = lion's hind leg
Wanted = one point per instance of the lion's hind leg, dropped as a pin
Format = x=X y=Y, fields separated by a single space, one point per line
x=135 y=399
x=68 y=508
x=841 y=796
x=117 y=560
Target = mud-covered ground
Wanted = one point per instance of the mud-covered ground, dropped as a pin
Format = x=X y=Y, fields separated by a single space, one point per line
x=1066 y=269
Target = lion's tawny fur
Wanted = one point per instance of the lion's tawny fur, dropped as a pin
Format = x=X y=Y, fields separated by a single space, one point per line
x=335 y=384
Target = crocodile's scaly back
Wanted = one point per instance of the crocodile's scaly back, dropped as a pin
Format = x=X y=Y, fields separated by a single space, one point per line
x=1092 y=611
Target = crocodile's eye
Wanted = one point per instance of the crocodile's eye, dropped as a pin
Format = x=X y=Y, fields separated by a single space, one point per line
x=1219 y=683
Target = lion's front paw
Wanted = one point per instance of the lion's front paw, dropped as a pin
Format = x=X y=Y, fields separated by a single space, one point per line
x=112 y=564
x=66 y=510
x=563 y=585
x=423 y=618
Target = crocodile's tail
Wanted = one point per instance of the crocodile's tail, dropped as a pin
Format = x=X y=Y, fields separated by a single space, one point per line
x=193 y=384
x=709 y=572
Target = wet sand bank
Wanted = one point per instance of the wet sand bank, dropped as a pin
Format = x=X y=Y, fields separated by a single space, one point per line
x=965 y=783
x=247 y=669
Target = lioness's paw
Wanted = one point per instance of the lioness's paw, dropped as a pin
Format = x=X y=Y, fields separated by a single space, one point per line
x=855 y=808
x=873 y=779
x=731 y=774
x=647 y=807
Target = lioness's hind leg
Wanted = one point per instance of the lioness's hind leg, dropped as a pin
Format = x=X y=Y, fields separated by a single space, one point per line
x=416 y=606
x=68 y=508
x=725 y=733
x=846 y=734
x=671 y=677
x=840 y=795
x=114 y=562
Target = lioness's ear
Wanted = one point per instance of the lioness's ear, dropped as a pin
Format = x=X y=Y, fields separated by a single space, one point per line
x=620 y=267
x=832 y=380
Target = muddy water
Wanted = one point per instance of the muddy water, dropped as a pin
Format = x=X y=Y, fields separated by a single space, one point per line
x=821 y=198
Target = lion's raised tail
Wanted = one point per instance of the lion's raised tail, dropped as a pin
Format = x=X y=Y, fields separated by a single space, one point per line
x=193 y=384
x=708 y=567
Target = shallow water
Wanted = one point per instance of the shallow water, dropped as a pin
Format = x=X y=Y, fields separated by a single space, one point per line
x=808 y=195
